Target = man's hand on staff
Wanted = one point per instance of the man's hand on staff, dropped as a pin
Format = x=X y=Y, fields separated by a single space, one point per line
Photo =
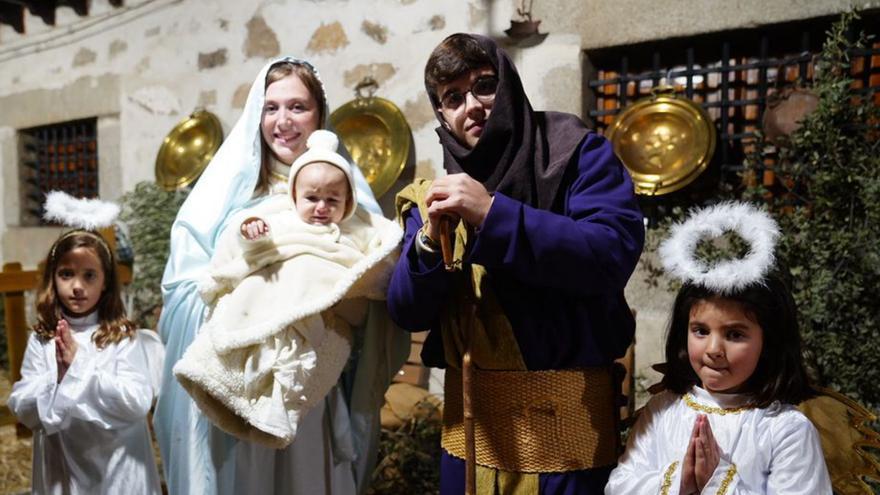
x=457 y=196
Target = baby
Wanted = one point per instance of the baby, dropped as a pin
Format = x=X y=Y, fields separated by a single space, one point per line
x=285 y=290
x=322 y=188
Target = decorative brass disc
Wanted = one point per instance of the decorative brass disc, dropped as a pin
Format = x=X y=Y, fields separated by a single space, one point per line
x=378 y=137
x=187 y=150
x=665 y=142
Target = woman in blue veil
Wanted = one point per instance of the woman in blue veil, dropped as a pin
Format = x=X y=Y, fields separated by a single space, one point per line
x=336 y=444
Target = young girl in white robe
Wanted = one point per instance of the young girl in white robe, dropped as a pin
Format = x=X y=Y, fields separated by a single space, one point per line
x=727 y=422
x=88 y=380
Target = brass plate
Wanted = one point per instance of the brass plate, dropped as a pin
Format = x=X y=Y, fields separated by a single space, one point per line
x=665 y=142
x=187 y=150
x=378 y=137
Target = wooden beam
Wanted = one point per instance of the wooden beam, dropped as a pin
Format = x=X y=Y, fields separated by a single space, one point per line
x=12 y=15
x=17 y=280
x=44 y=9
x=81 y=7
x=16 y=325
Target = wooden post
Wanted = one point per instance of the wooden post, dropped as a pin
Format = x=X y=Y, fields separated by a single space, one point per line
x=470 y=467
x=13 y=282
x=447 y=245
x=16 y=324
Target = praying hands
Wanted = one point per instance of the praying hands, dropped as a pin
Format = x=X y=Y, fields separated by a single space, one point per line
x=701 y=458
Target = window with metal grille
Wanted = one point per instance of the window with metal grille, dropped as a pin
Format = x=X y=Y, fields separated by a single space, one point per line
x=61 y=157
x=731 y=74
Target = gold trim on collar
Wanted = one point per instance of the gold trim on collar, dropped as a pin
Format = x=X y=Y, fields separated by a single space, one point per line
x=696 y=406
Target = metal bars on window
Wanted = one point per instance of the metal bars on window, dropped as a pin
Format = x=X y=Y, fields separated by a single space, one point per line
x=730 y=76
x=57 y=157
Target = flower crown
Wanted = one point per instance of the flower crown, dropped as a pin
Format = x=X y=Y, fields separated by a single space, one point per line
x=756 y=227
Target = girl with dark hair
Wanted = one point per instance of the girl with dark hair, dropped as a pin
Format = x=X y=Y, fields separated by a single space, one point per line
x=727 y=422
x=89 y=378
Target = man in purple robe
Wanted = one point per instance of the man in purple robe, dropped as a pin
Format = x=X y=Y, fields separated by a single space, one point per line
x=547 y=234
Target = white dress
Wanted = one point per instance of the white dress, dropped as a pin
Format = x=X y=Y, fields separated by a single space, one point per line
x=763 y=451
x=90 y=430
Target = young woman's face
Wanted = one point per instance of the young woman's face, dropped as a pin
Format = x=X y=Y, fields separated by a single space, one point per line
x=290 y=115
x=321 y=193
x=724 y=344
x=466 y=104
x=79 y=281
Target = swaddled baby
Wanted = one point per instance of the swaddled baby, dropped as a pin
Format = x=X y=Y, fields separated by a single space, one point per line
x=285 y=290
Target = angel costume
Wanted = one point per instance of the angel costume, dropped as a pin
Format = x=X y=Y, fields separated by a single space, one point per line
x=281 y=334
x=770 y=450
x=90 y=430
x=336 y=442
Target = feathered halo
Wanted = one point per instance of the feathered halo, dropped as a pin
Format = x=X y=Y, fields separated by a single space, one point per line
x=79 y=213
x=84 y=215
x=756 y=227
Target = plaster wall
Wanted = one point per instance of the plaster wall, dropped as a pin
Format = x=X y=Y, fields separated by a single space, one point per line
x=142 y=68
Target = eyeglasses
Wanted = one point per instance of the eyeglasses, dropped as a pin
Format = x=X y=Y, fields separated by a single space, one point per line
x=483 y=90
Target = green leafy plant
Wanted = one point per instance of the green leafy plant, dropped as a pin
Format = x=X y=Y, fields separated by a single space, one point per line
x=826 y=199
x=149 y=212
x=827 y=202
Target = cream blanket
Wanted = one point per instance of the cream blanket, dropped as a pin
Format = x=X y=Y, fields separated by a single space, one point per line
x=279 y=333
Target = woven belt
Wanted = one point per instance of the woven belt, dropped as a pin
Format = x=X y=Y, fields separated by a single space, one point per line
x=535 y=421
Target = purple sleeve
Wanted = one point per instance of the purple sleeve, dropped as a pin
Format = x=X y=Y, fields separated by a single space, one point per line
x=592 y=247
x=417 y=291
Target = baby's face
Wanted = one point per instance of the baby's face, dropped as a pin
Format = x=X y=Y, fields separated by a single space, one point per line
x=321 y=193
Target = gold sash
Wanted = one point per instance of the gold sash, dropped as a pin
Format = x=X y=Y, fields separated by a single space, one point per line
x=535 y=421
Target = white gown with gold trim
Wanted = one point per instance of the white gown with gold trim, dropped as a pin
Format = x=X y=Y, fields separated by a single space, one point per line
x=775 y=450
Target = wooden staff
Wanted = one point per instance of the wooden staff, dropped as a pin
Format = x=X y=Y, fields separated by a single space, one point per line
x=470 y=445
x=446 y=245
x=470 y=472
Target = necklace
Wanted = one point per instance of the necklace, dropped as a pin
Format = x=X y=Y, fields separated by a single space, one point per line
x=277 y=175
x=696 y=406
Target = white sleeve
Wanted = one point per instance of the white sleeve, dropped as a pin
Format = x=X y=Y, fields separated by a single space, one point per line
x=798 y=463
x=797 y=466
x=154 y=353
x=110 y=396
x=641 y=470
x=31 y=396
x=725 y=479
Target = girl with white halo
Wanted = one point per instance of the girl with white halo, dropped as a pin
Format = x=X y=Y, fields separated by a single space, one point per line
x=335 y=448
x=727 y=421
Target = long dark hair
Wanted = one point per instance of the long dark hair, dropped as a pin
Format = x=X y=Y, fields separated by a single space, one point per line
x=780 y=373
x=114 y=326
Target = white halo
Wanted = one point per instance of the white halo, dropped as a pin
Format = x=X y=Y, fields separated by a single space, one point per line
x=80 y=213
x=756 y=227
